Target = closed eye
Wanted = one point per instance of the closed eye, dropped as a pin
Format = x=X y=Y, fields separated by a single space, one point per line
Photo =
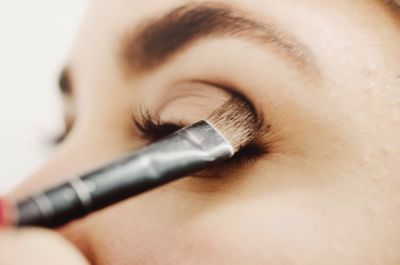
x=152 y=128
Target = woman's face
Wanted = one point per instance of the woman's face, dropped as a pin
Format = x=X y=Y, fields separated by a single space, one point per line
x=325 y=75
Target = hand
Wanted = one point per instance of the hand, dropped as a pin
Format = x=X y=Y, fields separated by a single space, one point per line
x=37 y=246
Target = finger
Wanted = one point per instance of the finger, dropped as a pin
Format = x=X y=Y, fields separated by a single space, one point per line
x=34 y=246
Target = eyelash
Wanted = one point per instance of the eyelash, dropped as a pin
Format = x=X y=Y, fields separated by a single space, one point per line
x=152 y=128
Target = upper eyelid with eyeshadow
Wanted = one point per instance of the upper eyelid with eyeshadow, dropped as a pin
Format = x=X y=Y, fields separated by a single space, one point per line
x=147 y=121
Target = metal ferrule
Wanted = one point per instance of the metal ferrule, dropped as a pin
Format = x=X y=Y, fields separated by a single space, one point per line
x=182 y=153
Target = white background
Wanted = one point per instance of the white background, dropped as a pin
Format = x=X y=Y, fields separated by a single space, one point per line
x=35 y=37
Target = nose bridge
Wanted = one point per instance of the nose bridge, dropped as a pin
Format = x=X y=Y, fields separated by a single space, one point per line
x=75 y=157
x=82 y=152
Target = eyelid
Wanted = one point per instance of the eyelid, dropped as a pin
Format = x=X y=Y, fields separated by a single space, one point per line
x=185 y=88
x=233 y=90
x=185 y=101
x=178 y=105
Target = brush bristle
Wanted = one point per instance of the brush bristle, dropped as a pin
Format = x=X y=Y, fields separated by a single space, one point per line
x=237 y=121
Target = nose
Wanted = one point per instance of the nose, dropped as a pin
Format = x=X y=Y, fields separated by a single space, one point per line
x=81 y=152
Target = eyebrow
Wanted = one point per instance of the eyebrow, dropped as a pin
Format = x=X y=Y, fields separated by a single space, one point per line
x=159 y=40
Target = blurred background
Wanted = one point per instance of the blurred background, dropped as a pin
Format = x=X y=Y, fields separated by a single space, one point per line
x=35 y=38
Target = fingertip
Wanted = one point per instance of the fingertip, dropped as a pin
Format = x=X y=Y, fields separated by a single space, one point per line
x=5 y=214
x=3 y=221
x=37 y=246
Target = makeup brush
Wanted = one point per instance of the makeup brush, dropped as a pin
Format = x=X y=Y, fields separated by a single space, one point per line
x=191 y=149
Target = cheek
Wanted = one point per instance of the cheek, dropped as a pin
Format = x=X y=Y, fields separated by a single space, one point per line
x=281 y=226
x=255 y=232
x=275 y=230
x=164 y=227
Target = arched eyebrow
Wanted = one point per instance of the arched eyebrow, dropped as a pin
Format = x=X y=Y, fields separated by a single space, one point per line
x=158 y=40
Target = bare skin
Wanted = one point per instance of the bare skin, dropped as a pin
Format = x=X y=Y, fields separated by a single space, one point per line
x=328 y=190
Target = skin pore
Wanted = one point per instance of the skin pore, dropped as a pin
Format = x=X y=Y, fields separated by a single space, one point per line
x=323 y=74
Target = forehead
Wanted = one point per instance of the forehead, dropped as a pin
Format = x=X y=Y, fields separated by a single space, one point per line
x=108 y=21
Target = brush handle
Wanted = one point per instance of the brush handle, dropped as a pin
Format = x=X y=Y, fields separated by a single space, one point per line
x=180 y=154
